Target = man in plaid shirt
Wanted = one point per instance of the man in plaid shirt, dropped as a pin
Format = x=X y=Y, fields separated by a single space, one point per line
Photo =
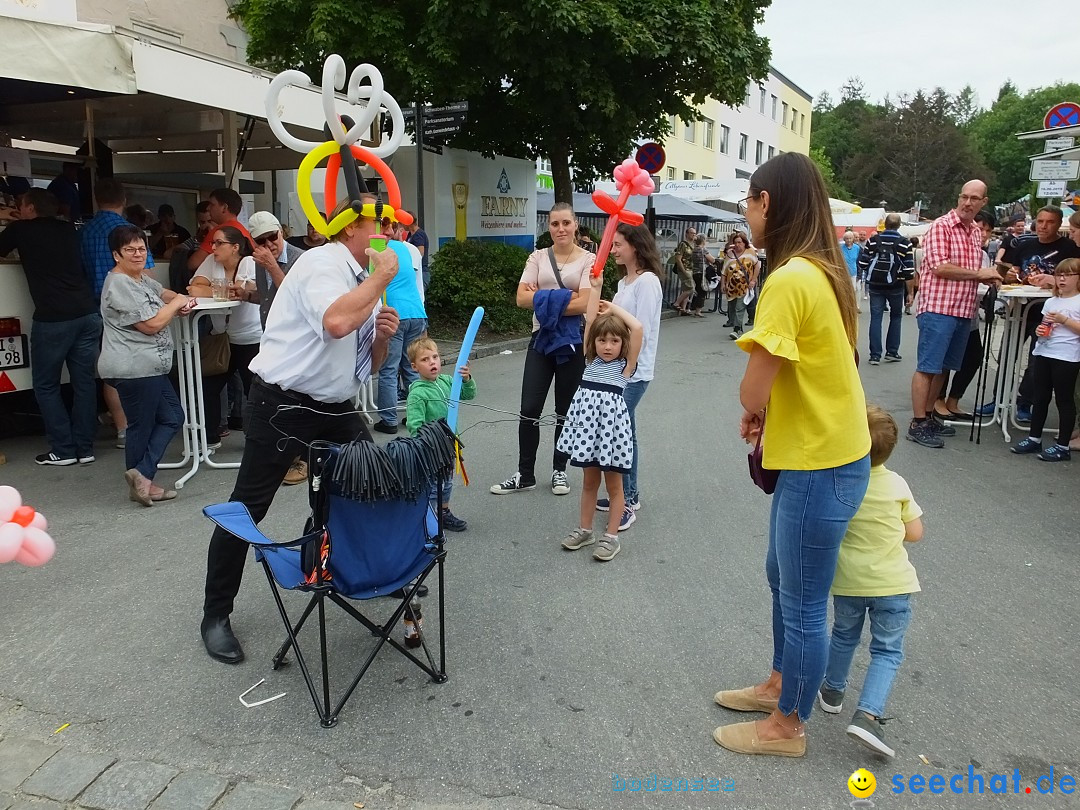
x=951 y=272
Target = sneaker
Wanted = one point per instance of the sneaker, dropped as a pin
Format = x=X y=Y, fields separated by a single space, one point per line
x=830 y=700
x=452 y=522
x=1023 y=415
x=578 y=538
x=604 y=505
x=54 y=460
x=939 y=427
x=628 y=518
x=608 y=548
x=386 y=427
x=987 y=410
x=297 y=474
x=892 y=358
x=736 y=334
x=1055 y=452
x=213 y=444
x=922 y=433
x=87 y=458
x=875 y=361
x=559 y=484
x=1027 y=446
x=121 y=439
x=512 y=484
x=870 y=732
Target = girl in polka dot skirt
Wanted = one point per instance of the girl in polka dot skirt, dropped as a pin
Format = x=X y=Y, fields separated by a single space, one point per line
x=597 y=434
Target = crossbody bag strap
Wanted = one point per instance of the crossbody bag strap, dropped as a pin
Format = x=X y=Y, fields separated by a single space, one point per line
x=555 y=267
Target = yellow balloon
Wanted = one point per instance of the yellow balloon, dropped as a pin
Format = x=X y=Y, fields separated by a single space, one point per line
x=307 y=201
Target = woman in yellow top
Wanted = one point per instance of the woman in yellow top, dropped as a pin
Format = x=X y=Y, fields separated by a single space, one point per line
x=802 y=368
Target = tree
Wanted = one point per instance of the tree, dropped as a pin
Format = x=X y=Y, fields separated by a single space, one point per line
x=836 y=190
x=853 y=90
x=563 y=79
x=964 y=106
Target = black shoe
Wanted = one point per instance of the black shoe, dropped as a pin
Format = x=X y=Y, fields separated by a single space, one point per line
x=221 y=644
x=892 y=358
x=400 y=592
x=54 y=460
x=452 y=523
x=938 y=426
x=385 y=427
x=236 y=423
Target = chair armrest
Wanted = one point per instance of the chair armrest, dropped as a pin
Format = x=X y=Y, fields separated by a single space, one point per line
x=235 y=518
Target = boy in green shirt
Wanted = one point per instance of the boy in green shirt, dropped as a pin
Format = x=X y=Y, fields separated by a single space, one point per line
x=873 y=575
x=429 y=400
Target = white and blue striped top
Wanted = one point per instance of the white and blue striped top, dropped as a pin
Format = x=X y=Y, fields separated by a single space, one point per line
x=606 y=373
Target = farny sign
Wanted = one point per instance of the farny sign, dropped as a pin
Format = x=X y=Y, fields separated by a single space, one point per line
x=502 y=211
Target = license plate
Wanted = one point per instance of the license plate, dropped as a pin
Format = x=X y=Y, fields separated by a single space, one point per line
x=14 y=352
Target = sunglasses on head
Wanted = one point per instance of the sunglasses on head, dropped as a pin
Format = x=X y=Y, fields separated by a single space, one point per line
x=263 y=240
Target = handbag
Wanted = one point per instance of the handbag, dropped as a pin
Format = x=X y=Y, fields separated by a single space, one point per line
x=763 y=479
x=215 y=353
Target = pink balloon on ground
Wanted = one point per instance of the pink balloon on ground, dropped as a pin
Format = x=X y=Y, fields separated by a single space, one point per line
x=11 y=539
x=37 y=548
x=10 y=500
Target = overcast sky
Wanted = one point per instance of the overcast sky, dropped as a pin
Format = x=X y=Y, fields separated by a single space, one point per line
x=818 y=44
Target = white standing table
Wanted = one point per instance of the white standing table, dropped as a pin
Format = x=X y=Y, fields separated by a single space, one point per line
x=189 y=369
x=1018 y=301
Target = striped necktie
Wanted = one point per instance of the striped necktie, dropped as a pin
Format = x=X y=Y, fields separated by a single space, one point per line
x=365 y=338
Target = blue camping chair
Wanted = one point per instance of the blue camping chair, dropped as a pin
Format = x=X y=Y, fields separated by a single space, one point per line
x=351 y=549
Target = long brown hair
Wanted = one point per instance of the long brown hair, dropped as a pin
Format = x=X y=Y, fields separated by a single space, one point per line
x=648 y=254
x=799 y=224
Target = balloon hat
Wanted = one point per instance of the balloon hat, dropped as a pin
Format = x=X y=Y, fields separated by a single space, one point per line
x=341 y=150
x=629 y=179
x=22 y=531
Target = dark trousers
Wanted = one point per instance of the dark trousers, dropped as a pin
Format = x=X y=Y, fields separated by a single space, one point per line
x=74 y=343
x=878 y=300
x=1055 y=378
x=154 y=416
x=540 y=369
x=267 y=457
x=240 y=358
x=969 y=367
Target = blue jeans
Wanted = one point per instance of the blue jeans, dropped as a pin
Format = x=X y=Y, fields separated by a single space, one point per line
x=447 y=491
x=154 y=416
x=889 y=620
x=811 y=510
x=895 y=301
x=397 y=360
x=75 y=343
x=632 y=394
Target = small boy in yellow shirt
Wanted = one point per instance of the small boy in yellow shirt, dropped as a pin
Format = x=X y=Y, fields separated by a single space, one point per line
x=875 y=577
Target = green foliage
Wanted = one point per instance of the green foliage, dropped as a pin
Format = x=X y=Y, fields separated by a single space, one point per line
x=993 y=132
x=465 y=275
x=836 y=190
x=564 y=79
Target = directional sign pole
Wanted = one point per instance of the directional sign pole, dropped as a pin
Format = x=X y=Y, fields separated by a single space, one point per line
x=419 y=119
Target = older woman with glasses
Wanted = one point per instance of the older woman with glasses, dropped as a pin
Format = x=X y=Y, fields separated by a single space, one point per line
x=136 y=358
x=243 y=324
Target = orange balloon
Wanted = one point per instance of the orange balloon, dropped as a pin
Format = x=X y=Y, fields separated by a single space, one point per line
x=333 y=165
x=23 y=516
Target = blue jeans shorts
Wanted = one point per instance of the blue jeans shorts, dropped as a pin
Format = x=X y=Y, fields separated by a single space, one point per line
x=942 y=341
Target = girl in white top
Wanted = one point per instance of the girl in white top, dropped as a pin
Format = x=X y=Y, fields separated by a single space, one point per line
x=242 y=323
x=640 y=294
x=1056 y=364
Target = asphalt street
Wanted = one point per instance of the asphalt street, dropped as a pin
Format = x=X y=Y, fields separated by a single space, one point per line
x=566 y=675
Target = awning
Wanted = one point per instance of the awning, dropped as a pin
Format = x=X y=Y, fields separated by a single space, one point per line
x=68 y=54
x=667 y=207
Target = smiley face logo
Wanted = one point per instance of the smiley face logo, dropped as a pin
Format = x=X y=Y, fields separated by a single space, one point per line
x=862 y=784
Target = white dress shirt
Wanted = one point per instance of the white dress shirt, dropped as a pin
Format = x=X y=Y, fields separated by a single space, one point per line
x=296 y=353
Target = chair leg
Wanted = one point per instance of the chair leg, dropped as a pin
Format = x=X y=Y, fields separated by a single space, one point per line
x=279 y=658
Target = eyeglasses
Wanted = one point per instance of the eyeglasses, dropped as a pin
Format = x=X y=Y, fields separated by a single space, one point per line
x=218 y=243
x=971 y=198
x=131 y=250
x=270 y=237
x=744 y=204
x=1059 y=274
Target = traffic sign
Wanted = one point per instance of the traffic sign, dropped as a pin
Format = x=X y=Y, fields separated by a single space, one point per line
x=435 y=149
x=1054 y=170
x=1054 y=144
x=1065 y=114
x=444 y=109
x=1050 y=189
x=651 y=157
x=431 y=132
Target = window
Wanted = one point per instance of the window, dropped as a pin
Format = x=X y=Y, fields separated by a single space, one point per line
x=783 y=121
x=705 y=177
x=674 y=124
x=746 y=101
x=802 y=126
x=688 y=176
x=688 y=131
x=794 y=121
x=707 y=128
x=670 y=172
x=725 y=134
x=761 y=106
x=772 y=152
x=759 y=151
x=774 y=107
x=743 y=141
x=545 y=165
